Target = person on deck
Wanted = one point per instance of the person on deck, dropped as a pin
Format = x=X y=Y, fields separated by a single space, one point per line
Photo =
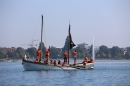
x=40 y=61
x=36 y=60
x=47 y=54
x=65 y=57
x=59 y=62
x=54 y=62
x=25 y=57
x=45 y=61
x=91 y=60
x=85 y=61
x=75 y=56
x=51 y=62
x=38 y=54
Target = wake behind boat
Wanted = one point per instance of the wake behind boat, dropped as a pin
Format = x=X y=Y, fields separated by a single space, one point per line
x=34 y=66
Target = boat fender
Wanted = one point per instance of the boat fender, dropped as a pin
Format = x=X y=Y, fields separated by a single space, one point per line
x=22 y=63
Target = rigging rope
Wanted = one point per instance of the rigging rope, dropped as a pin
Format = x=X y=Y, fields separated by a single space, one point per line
x=43 y=30
x=35 y=30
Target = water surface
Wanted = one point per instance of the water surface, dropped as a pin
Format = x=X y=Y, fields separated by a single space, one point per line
x=105 y=73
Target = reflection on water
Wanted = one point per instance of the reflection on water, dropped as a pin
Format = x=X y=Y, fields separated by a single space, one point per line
x=47 y=74
x=39 y=77
x=105 y=73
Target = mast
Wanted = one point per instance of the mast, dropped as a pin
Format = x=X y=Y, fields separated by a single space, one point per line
x=68 y=42
x=41 y=37
x=68 y=47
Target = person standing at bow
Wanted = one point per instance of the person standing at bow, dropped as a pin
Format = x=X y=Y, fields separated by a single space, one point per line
x=47 y=54
x=74 y=56
x=38 y=54
x=65 y=57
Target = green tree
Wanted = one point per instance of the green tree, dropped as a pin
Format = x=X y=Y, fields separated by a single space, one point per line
x=54 y=53
x=87 y=54
x=98 y=56
x=104 y=49
x=80 y=52
x=127 y=55
x=32 y=51
x=3 y=55
x=103 y=52
x=116 y=52
x=16 y=55
x=21 y=52
x=109 y=55
x=10 y=54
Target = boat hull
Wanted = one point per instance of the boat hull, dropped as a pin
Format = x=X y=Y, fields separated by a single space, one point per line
x=35 y=66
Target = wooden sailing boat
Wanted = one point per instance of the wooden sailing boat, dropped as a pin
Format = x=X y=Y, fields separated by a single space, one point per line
x=33 y=66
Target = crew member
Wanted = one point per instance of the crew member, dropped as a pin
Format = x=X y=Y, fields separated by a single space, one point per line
x=36 y=60
x=47 y=54
x=25 y=57
x=91 y=60
x=54 y=62
x=85 y=61
x=38 y=54
x=75 y=56
x=59 y=62
x=45 y=62
x=65 y=57
x=51 y=62
x=40 y=61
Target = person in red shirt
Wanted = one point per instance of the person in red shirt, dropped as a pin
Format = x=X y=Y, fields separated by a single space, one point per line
x=65 y=57
x=91 y=60
x=38 y=54
x=47 y=54
x=85 y=61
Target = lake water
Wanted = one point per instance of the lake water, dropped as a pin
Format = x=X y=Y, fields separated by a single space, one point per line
x=105 y=73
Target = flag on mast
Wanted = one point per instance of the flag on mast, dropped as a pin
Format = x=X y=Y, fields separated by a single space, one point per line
x=70 y=40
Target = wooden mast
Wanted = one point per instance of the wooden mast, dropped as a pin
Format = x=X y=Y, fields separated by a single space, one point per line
x=68 y=42
x=41 y=38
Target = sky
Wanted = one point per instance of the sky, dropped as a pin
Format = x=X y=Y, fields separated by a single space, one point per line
x=107 y=20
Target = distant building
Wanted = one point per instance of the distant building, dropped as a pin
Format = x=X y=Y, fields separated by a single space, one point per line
x=4 y=49
x=126 y=49
x=83 y=46
x=86 y=47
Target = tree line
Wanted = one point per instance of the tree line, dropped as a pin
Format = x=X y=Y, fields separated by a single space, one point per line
x=103 y=53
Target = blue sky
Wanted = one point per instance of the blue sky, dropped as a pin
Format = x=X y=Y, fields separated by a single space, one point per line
x=107 y=20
